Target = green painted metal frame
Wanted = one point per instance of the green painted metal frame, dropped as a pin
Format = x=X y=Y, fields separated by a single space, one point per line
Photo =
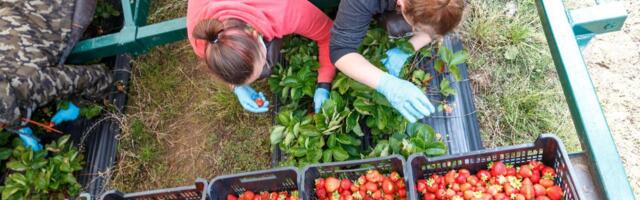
x=134 y=38
x=583 y=102
x=566 y=33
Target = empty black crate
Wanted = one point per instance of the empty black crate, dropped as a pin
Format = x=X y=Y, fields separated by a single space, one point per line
x=195 y=192
x=351 y=170
x=547 y=149
x=273 y=180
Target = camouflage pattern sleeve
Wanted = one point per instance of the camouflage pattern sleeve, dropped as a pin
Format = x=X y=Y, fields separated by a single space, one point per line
x=33 y=35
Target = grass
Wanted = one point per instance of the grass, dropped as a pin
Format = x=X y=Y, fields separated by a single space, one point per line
x=517 y=91
x=180 y=125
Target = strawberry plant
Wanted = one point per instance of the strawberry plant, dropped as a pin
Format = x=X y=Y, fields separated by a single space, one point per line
x=447 y=60
x=46 y=174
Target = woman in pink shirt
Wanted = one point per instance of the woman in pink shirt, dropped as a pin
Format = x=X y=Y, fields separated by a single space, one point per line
x=229 y=36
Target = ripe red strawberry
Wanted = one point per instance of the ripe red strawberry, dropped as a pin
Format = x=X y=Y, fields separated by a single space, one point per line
x=441 y=194
x=527 y=189
x=546 y=182
x=345 y=184
x=543 y=197
x=464 y=172
x=510 y=171
x=331 y=184
x=361 y=180
x=437 y=178
x=394 y=176
x=264 y=195
x=388 y=197
x=525 y=171
x=498 y=169
x=449 y=193
x=455 y=187
x=354 y=188
x=539 y=190
x=321 y=194
x=465 y=187
x=401 y=184
x=376 y=195
x=319 y=183
x=247 y=195
x=402 y=193
x=231 y=197
x=346 y=196
x=500 y=196
x=373 y=176
x=421 y=186
x=548 y=171
x=389 y=187
x=554 y=192
x=468 y=194
x=535 y=177
x=473 y=180
x=519 y=197
x=483 y=175
x=371 y=187
x=461 y=179
x=432 y=186
x=450 y=177
x=259 y=102
x=429 y=196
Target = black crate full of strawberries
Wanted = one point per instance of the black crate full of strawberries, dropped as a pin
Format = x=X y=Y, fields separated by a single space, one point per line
x=370 y=185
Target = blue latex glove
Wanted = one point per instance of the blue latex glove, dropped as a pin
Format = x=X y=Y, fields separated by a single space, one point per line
x=405 y=97
x=69 y=114
x=247 y=97
x=319 y=97
x=28 y=139
x=395 y=61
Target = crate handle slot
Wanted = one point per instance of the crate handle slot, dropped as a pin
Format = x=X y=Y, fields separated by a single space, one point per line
x=258 y=178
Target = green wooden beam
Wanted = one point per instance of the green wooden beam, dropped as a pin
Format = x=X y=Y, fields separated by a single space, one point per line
x=583 y=102
x=603 y=18
x=162 y=33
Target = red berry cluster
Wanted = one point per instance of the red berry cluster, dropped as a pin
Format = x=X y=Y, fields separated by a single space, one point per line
x=531 y=181
x=249 y=195
x=371 y=186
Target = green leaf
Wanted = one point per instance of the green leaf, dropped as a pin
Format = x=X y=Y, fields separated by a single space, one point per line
x=309 y=131
x=358 y=131
x=343 y=139
x=439 y=66
x=340 y=154
x=331 y=142
x=405 y=46
x=8 y=191
x=458 y=58
x=16 y=166
x=277 y=135
x=435 y=152
x=5 y=153
x=288 y=139
x=39 y=164
x=90 y=111
x=284 y=117
x=352 y=150
x=326 y=156
x=444 y=54
x=18 y=178
x=298 y=152
x=456 y=72
x=314 y=155
x=363 y=106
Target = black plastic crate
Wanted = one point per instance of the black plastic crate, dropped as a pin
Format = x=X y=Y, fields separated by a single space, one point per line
x=272 y=180
x=351 y=170
x=547 y=149
x=194 y=192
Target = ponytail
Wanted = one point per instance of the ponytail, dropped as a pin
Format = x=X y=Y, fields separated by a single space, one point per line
x=442 y=15
x=229 y=55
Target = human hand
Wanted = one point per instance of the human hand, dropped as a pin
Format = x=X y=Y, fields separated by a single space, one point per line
x=248 y=96
x=28 y=139
x=405 y=97
x=69 y=114
x=320 y=96
x=395 y=60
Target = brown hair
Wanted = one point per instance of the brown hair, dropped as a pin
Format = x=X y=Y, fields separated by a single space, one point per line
x=441 y=15
x=229 y=55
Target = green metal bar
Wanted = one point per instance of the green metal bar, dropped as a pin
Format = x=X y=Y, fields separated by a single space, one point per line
x=127 y=13
x=103 y=46
x=583 y=102
x=140 y=12
x=603 y=18
x=162 y=33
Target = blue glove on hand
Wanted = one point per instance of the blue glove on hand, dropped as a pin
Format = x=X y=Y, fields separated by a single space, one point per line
x=405 y=97
x=319 y=97
x=69 y=114
x=28 y=139
x=395 y=61
x=247 y=97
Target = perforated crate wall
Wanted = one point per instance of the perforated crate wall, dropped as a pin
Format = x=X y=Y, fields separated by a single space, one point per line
x=273 y=180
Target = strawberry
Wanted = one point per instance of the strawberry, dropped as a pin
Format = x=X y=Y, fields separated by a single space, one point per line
x=483 y=175
x=362 y=180
x=432 y=186
x=401 y=184
x=334 y=196
x=231 y=197
x=450 y=177
x=548 y=171
x=373 y=176
x=449 y=193
x=259 y=102
x=441 y=194
x=465 y=187
x=461 y=179
x=543 y=197
x=321 y=194
x=518 y=197
x=429 y=196
x=354 y=188
x=319 y=183
x=331 y=184
x=394 y=176
x=498 y=169
x=402 y=193
x=527 y=189
x=554 y=192
x=499 y=196
x=473 y=180
x=247 y=195
x=345 y=184
x=264 y=195
x=388 y=187
x=525 y=171
x=376 y=195
x=535 y=177
x=455 y=187
x=388 y=197
x=546 y=182
x=371 y=187
x=468 y=194
x=421 y=186
x=539 y=190
x=510 y=171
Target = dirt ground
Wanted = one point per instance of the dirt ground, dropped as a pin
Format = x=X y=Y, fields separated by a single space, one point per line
x=614 y=63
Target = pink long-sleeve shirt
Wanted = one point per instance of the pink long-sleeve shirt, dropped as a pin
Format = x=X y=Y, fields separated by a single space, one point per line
x=273 y=19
